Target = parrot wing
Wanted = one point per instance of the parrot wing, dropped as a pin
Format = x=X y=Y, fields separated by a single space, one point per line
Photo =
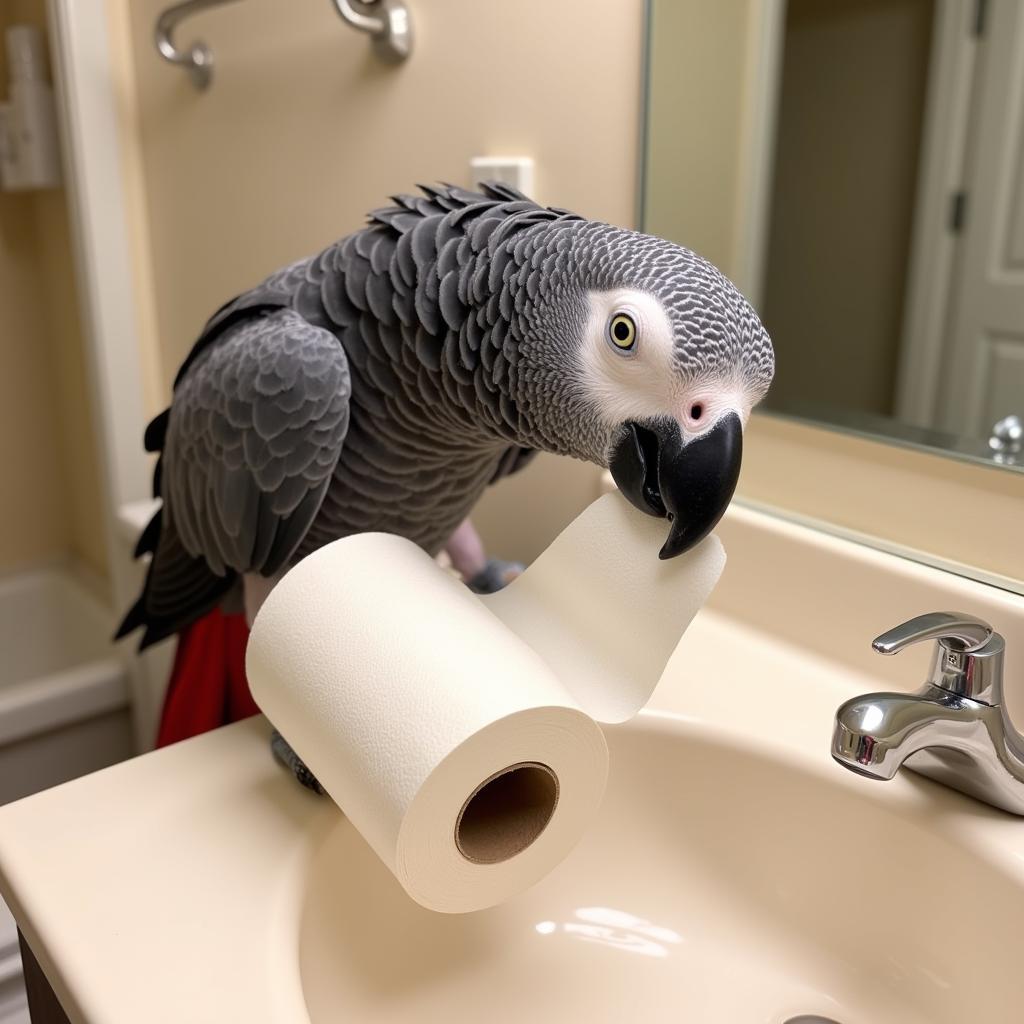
x=255 y=432
x=252 y=439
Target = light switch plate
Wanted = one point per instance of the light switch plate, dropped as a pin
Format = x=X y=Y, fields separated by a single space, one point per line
x=516 y=171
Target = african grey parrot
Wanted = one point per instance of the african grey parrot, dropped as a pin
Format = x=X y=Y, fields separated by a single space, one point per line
x=385 y=382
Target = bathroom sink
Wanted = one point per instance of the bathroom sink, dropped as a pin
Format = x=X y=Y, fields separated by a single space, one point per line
x=735 y=875
x=719 y=885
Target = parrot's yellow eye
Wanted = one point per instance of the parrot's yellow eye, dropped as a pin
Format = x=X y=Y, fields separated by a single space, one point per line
x=622 y=332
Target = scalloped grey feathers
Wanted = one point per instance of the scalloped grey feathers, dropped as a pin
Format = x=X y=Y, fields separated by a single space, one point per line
x=383 y=383
x=255 y=432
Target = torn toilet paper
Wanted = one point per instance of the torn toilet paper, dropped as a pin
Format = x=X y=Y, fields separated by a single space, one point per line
x=460 y=734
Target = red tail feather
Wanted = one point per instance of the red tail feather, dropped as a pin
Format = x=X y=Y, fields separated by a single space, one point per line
x=208 y=687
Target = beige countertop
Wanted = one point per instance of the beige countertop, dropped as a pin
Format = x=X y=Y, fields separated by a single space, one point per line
x=122 y=881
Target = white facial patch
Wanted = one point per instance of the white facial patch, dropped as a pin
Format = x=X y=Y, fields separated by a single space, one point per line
x=645 y=382
x=637 y=384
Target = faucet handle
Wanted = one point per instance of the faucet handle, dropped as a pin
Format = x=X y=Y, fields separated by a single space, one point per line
x=968 y=657
x=970 y=632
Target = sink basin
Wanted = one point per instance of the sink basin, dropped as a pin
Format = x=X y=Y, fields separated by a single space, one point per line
x=719 y=885
x=736 y=875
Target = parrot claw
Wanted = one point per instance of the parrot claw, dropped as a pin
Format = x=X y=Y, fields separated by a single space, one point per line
x=283 y=754
x=495 y=576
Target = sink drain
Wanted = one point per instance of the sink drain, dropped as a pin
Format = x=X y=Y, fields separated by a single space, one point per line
x=809 y=1019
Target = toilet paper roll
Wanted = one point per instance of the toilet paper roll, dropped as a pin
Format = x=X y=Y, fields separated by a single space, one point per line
x=458 y=734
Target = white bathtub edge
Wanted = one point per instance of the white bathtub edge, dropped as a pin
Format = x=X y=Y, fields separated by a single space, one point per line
x=48 y=702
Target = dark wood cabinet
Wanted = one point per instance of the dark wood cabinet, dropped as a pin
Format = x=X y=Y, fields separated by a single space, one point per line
x=43 y=1005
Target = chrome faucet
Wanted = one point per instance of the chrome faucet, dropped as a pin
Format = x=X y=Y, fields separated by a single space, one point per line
x=955 y=729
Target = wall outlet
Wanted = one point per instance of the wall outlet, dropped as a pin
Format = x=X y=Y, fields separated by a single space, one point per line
x=516 y=171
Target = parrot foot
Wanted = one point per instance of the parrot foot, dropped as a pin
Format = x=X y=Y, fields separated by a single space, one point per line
x=494 y=576
x=283 y=754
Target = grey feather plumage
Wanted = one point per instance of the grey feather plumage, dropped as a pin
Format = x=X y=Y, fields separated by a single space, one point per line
x=385 y=382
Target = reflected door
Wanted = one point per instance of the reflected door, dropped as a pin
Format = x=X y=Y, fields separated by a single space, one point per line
x=983 y=375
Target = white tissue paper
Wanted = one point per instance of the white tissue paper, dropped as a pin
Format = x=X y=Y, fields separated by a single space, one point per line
x=459 y=734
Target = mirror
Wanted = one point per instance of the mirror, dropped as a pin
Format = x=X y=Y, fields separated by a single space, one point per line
x=857 y=167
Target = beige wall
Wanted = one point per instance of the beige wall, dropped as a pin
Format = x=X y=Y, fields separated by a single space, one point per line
x=850 y=112
x=303 y=132
x=699 y=62
x=34 y=523
x=52 y=496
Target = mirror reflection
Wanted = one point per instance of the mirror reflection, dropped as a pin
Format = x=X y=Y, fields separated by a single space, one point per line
x=863 y=161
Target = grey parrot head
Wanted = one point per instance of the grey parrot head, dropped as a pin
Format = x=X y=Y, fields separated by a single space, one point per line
x=666 y=360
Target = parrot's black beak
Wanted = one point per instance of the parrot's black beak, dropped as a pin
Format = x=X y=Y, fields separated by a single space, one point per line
x=691 y=485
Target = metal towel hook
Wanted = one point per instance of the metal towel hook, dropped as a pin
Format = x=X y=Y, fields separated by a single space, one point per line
x=387 y=22
x=391 y=29
x=198 y=58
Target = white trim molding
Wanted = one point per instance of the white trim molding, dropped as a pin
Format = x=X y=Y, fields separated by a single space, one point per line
x=100 y=232
x=93 y=149
x=766 y=33
x=940 y=176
